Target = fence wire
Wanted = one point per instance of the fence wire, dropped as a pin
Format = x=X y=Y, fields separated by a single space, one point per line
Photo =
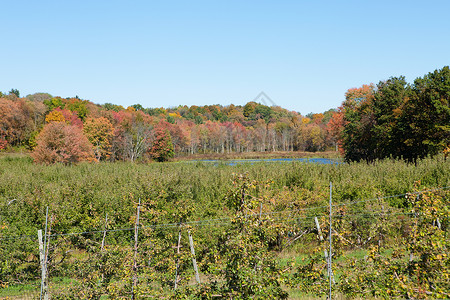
x=71 y=262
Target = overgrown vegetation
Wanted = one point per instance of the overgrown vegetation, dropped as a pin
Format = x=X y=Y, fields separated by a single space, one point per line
x=259 y=240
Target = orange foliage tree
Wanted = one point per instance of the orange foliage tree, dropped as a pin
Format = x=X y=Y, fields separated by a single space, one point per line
x=335 y=127
x=59 y=142
x=99 y=132
x=16 y=123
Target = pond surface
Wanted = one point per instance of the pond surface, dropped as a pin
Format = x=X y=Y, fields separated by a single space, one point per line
x=234 y=162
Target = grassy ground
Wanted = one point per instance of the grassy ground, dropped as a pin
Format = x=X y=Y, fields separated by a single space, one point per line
x=222 y=156
x=21 y=291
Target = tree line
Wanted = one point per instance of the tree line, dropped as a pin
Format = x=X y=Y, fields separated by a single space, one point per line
x=72 y=129
x=395 y=118
x=391 y=119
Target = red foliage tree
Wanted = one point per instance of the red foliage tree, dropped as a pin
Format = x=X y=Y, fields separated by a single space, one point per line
x=162 y=149
x=59 y=142
x=71 y=117
x=3 y=144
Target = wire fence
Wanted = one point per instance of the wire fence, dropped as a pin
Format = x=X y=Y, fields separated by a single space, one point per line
x=121 y=261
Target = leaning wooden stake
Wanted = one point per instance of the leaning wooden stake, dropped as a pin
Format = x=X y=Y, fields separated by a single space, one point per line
x=104 y=233
x=194 y=261
x=178 y=258
x=136 y=232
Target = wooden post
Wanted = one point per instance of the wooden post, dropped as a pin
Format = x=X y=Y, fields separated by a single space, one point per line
x=136 y=232
x=194 y=261
x=45 y=236
x=44 y=288
x=43 y=270
x=178 y=253
x=104 y=233
x=47 y=247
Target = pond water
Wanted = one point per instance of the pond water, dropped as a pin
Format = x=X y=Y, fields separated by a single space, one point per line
x=234 y=162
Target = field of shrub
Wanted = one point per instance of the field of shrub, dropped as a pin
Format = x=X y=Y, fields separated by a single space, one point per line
x=252 y=225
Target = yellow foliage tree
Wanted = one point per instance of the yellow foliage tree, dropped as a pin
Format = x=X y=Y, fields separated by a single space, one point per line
x=55 y=116
x=99 y=132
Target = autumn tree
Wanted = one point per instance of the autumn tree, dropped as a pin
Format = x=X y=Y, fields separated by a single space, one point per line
x=40 y=97
x=99 y=132
x=59 y=142
x=133 y=134
x=71 y=117
x=358 y=141
x=162 y=149
x=55 y=116
x=311 y=138
x=334 y=128
x=16 y=121
x=3 y=143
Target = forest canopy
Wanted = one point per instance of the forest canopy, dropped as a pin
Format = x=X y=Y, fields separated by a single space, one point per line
x=393 y=118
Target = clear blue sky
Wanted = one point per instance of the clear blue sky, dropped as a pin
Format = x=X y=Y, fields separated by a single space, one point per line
x=303 y=54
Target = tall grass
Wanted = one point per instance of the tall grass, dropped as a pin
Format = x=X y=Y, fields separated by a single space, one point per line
x=87 y=191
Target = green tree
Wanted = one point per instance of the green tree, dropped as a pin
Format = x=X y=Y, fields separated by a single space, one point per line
x=389 y=99
x=428 y=115
x=78 y=106
x=137 y=107
x=397 y=119
x=264 y=112
x=15 y=92
x=113 y=107
x=198 y=120
x=249 y=109
x=170 y=119
x=53 y=103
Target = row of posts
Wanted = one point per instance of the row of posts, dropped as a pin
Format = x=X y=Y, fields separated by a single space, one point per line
x=44 y=249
